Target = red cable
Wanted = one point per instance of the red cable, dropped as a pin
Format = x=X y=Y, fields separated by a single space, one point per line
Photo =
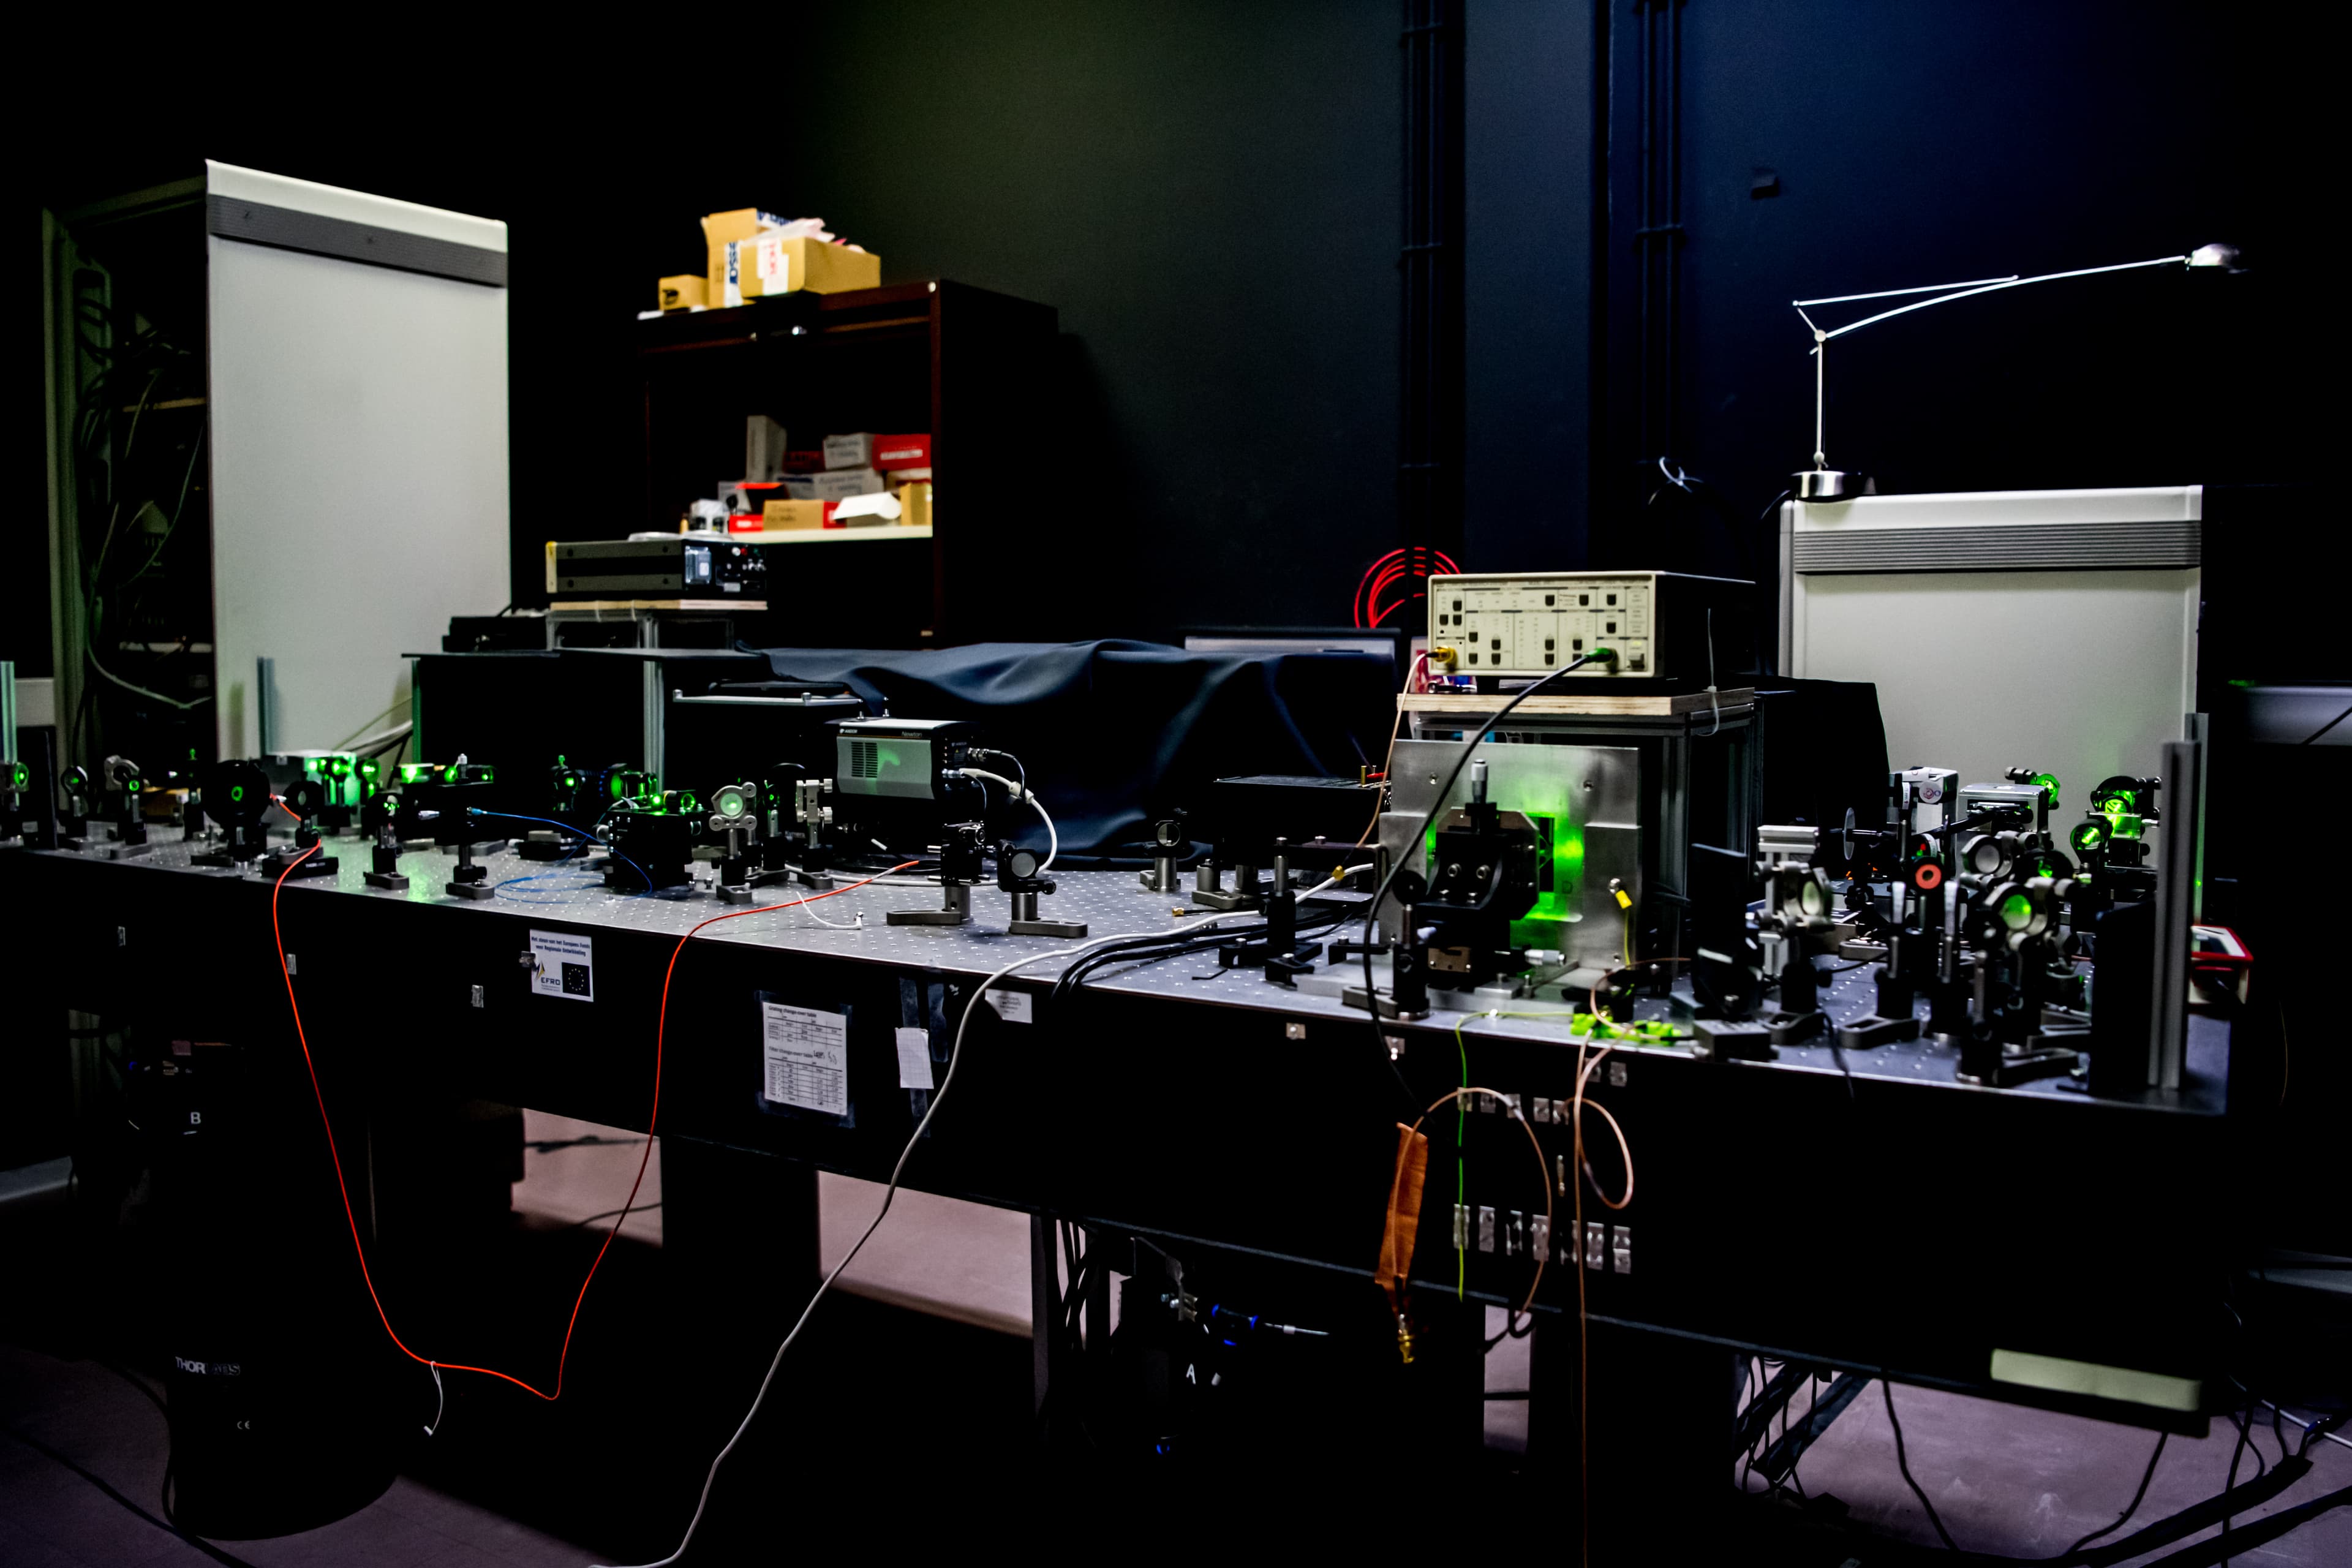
x=660 y=1031
x=1389 y=571
x=1357 y=607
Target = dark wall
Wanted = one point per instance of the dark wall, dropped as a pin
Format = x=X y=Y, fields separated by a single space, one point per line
x=1919 y=145
x=1527 y=156
x=1208 y=193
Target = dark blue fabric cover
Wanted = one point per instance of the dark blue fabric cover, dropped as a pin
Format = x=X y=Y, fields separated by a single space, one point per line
x=1114 y=733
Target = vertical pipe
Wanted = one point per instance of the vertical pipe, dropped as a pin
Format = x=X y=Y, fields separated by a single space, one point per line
x=1820 y=397
x=265 y=706
x=1430 y=272
x=1648 y=218
x=1657 y=240
x=1045 y=1296
x=2183 y=834
x=1671 y=241
x=1602 y=259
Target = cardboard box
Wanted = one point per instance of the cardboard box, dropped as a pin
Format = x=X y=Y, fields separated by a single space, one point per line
x=742 y=223
x=893 y=452
x=855 y=451
x=911 y=476
x=718 y=229
x=837 y=484
x=765 y=264
x=804 y=462
x=800 y=487
x=915 y=504
x=684 y=292
x=781 y=515
x=763 y=449
x=868 y=512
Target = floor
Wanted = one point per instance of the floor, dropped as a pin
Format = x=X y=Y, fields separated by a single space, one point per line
x=51 y=1517
x=2017 y=1482
x=945 y=1284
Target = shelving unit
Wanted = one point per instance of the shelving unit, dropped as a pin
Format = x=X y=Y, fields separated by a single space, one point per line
x=967 y=364
x=841 y=535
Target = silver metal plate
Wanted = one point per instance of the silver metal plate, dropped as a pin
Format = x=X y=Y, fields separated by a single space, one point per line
x=1592 y=793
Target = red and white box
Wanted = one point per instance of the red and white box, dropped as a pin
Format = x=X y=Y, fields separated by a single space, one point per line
x=892 y=453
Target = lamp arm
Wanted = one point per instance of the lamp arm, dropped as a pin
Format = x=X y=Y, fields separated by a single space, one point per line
x=1891 y=293
x=1979 y=288
x=1834 y=485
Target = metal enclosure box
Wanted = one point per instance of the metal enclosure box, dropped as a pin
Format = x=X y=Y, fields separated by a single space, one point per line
x=1662 y=625
x=2051 y=629
x=1586 y=799
x=1262 y=807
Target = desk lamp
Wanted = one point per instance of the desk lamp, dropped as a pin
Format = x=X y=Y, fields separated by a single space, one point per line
x=1822 y=483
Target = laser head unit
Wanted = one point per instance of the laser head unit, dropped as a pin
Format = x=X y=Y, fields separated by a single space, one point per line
x=899 y=759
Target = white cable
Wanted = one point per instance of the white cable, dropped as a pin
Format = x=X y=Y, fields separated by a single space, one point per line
x=395 y=733
x=1053 y=839
x=890 y=1192
x=440 y=1398
x=858 y=924
x=91 y=655
x=931 y=882
x=1335 y=882
x=1012 y=788
x=374 y=720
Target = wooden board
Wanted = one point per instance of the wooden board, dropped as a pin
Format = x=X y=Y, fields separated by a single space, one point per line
x=560 y=606
x=1599 y=704
x=835 y=535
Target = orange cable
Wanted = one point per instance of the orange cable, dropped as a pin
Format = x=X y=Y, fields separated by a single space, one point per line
x=1624 y=1148
x=335 y=1155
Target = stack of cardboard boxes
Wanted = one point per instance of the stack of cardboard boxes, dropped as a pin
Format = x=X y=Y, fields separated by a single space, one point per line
x=859 y=480
x=750 y=254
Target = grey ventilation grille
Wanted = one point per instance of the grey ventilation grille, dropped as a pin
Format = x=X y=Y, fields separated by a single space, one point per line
x=2023 y=547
